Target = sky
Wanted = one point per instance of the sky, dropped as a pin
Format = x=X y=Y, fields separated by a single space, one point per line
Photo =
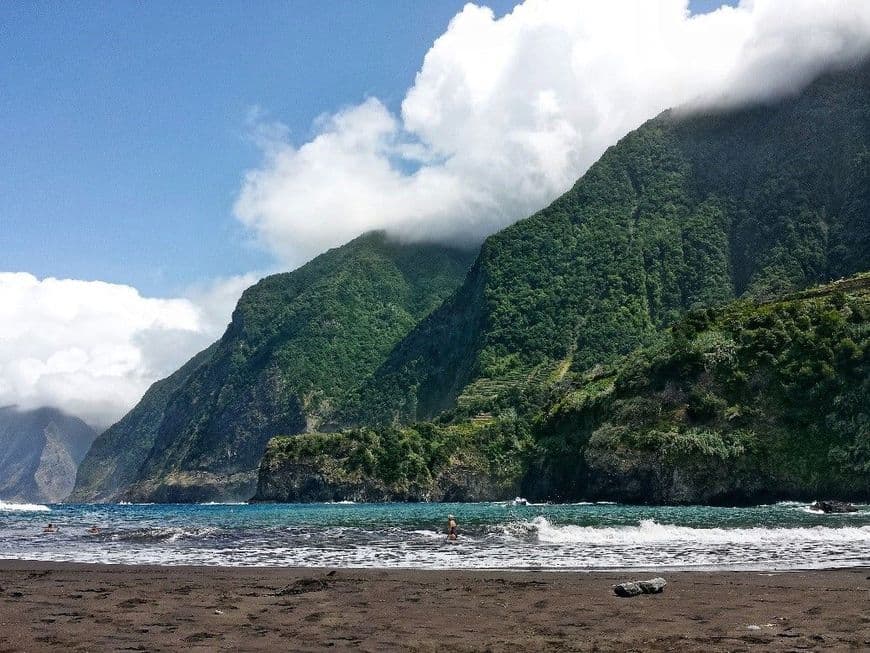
x=125 y=125
x=159 y=157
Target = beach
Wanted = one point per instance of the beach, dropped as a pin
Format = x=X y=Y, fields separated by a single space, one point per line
x=79 y=607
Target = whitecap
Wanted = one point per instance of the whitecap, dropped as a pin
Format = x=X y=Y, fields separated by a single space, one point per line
x=23 y=507
x=649 y=531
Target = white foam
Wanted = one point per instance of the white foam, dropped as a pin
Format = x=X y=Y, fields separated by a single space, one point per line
x=23 y=507
x=649 y=531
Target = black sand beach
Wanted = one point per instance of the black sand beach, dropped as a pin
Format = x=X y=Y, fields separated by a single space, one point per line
x=74 y=607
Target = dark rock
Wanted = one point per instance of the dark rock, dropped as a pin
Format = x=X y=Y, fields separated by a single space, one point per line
x=653 y=586
x=835 y=507
x=632 y=588
x=627 y=589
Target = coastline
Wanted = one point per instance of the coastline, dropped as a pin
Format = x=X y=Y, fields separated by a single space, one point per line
x=53 y=606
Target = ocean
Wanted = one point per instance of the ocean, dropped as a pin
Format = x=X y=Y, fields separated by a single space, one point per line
x=492 y=536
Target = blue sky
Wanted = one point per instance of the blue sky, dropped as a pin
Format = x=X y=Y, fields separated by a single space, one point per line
x=123 y=124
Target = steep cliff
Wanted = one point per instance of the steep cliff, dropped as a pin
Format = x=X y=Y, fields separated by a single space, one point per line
x=297 y=343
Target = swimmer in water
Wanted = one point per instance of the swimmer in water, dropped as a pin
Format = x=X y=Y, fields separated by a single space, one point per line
x=94 y=530
x=50 y=528
x=451 y=527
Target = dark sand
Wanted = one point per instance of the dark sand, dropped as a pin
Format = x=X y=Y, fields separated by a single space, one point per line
x=47 y=606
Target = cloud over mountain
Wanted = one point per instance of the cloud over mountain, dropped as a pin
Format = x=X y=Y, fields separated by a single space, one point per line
x=506 y=113
x=92 y=348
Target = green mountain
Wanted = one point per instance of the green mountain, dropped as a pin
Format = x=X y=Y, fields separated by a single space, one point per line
x=756 y=401
x=297 y=344
x=686 y=211
x=39 y=452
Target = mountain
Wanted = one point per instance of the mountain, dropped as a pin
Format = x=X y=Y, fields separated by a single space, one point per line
x=689 y=210
x=39 y=453
x=752 y=402
x=297 y=344
x=113 y=462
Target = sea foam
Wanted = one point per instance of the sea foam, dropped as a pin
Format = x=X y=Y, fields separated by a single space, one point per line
x=22 y=507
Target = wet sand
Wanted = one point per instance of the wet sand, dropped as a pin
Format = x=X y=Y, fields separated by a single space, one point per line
x=50 y=606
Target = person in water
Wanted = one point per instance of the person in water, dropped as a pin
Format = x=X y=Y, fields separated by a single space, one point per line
x=50 y=528
x=94 y=530
x=451 y=527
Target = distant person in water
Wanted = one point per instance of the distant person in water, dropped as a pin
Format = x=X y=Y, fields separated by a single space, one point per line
x=451 y=527
x=94 y=530
x=50 y=528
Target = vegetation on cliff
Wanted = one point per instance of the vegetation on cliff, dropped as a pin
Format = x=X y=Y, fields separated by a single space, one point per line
x=688 y=211
x=297 y=342
x=753 y=401
x=431 y=374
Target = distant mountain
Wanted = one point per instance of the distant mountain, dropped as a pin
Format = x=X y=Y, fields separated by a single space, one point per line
x=297 y=344
x=39 y=453
x=686 y=211
x=752 y=402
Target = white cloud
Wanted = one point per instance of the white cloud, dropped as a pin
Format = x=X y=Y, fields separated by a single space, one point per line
x=92 y=348
x=505 y=114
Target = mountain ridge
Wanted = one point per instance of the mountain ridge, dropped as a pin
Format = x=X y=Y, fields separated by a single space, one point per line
x=297 y=341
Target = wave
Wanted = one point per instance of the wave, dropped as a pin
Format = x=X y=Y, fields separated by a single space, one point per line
x=23 y=507
x=167 y=534
x=649 y=531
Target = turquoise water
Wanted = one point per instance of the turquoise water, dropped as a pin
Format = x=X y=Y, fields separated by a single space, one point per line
x=492 y=535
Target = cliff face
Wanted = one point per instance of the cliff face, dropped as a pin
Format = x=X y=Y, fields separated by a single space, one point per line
x=115 y=457
x=297 y=344
x=39 y=453
x=385 y=465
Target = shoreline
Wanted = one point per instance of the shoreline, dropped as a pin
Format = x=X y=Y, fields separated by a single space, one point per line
x=92 y=606
x=36 y=563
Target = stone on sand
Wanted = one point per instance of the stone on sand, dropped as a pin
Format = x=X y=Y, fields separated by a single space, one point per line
x=632 y=588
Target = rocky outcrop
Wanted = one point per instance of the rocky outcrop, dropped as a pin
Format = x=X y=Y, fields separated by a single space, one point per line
x=835 y=507
x=40 y=451
x=311 y=482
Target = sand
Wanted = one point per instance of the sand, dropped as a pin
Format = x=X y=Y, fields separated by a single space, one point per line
x=49 y=606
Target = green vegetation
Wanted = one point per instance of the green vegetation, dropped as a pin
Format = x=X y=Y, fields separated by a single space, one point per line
x=467 y=461
x=551 y=367
x=685 y=212
x=746 y=403
x=750 y=402
x=297 y=343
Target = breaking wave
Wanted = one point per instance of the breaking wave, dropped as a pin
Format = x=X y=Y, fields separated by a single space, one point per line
x=649 y=531
x=23 y=507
